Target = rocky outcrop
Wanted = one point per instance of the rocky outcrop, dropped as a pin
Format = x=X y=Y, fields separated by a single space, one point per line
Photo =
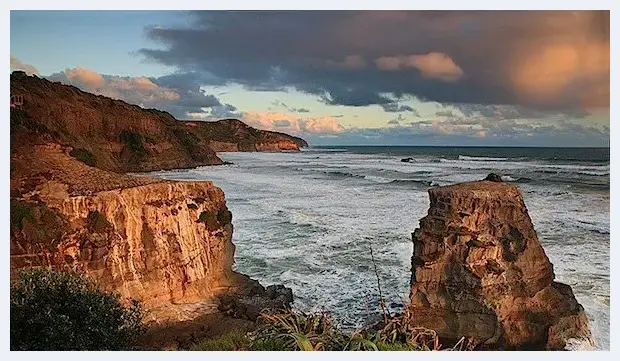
x=164 y=243
x=232 y=135
x=114 y=135
x=479 y=271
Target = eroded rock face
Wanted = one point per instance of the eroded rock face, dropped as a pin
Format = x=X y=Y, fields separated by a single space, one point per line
x=161 y=243
x=479 y=271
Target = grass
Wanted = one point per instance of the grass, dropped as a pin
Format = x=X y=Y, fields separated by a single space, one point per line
x=297 y=331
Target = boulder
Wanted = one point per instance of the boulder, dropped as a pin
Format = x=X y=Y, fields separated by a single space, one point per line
x=480 y=272
x=493 y=178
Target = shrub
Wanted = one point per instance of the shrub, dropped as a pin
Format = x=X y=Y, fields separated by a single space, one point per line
x=133 y=141
x=96 y=222
x=52 y=310
x=84 y=156
x=20 y=210
x=36 y=222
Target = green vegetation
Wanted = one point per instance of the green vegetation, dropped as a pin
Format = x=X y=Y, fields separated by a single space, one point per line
x=224 y=216
x=20 y=210
x=134 y=142
x=84 y=156
x=36 y=222
x=297 y=331
x=96 y=222
x=232 y=341
x=191 y=143
x=52 y=310
x=209 y=219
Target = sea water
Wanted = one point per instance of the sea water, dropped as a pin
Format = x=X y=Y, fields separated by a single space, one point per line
x=309 y=219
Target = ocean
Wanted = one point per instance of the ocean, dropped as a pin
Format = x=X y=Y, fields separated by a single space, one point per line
x=309 y=219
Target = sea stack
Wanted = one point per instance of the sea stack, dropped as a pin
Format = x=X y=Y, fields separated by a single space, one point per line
x=480 y=272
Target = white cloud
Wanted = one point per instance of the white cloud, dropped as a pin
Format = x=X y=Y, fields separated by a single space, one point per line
x=16 y=64
x=284 y=122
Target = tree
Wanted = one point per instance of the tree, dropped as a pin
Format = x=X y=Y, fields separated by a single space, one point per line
x=54 y=310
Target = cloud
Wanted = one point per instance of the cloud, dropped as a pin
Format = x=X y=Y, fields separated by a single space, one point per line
x=432 y=65
x=397 y=108
x=16 y=64
x=457 y=132
x=443 y=56
x=350 y=62
x=278 y=103
x=444 y=113
x=179 y=94
x=291 y=123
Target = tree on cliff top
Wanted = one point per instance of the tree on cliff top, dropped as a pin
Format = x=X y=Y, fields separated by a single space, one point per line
x=53 y=310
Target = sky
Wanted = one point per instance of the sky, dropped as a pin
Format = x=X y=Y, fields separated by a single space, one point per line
x=446 y=78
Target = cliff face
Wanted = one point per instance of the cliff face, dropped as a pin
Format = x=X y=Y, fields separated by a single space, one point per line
x=117 y=136
x=165 y=243
x=479 y=271
x=161 y=242
x=232 y=135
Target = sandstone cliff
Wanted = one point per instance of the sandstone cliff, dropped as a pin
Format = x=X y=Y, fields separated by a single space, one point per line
x=113 y=135
x=479 y=271
x=161 y=242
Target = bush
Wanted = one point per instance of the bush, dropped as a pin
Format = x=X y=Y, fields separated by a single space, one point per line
x=84 y=156
x=96 y=222
x=52 y=310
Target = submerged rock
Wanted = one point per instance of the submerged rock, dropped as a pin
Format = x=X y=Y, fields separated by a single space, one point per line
x=493 y=178
x=406 y=160
x=479 y=271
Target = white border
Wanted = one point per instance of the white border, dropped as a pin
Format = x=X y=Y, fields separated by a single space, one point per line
x=333 y=5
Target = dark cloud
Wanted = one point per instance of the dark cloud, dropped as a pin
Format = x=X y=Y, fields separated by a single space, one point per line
x=278 y=103
x=281 y=123
x=541 y=59
x=225 y=111
x=398 y=108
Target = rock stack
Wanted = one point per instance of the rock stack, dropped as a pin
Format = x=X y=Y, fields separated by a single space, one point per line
x=479 y=271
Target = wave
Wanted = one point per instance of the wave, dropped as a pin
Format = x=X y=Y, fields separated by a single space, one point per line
x=481 y=159
x=321 y=150
x=337 y=173
x=428 y=183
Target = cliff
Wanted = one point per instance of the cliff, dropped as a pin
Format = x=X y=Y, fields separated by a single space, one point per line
x=114 y=135
x=479 y=271
x=165 y=243
x=232 y=135
x=161 y=242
